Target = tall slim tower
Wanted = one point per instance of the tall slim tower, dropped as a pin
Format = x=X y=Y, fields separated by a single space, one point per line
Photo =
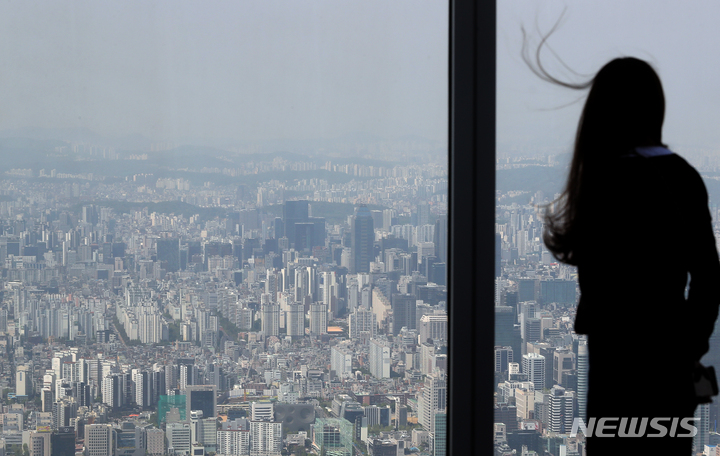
x=433 y=399
x=271 y=320
x=404 y=312
x=362 y=240
x=318 y=319
x=702 y=423
x=296 y=320
x=379 y=358
x=582 y=373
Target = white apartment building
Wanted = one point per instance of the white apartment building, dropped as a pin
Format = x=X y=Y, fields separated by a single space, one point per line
x=265 y=438
x=379 y=358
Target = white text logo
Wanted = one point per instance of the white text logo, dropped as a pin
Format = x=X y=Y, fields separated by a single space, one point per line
x=635 y=427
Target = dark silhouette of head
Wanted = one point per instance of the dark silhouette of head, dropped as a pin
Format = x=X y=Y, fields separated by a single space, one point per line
x=624 y=109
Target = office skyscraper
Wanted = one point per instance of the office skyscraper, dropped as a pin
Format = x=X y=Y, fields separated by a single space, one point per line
x=534 y=366
x=294 y=212
x=433 y=399
x=178 y=436
x=168 y=250
x=504 y=324
x=201 y=397
x=39 y=443
x=362 y=240
x=440 y=238
x=560 y=413
x=503 y=357
x=404 y=312
x=98 y=439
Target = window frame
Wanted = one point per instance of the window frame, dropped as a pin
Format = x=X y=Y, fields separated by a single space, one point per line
x=472 y=103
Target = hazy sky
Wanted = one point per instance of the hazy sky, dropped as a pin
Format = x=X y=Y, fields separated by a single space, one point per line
x=679 y=38
x=253 y=70
x=242 y=70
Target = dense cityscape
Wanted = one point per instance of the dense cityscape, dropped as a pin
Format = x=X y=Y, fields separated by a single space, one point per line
x=280 y=304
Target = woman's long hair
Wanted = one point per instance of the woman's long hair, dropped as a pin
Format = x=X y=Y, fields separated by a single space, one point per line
x=624 y=109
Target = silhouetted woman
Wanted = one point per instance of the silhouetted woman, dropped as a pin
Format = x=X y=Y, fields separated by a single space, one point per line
x=634 y=219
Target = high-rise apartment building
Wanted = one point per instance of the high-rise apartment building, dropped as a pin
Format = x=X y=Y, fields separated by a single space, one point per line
x=113 y=387
x=341 y=361
x=362 y=324
x=295 y=320
x=379 y=358
x=318 y=319
x=234 y=442
x=265 y=438
x=270 y=320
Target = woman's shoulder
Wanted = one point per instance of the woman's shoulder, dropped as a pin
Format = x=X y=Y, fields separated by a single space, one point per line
x=680 y=166
x=660 y=157
x=678 y=175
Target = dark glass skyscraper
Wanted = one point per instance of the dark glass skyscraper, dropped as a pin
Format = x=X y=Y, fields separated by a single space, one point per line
x=169 y=250
x=362 y=240
x=404 y=312
x=201 y=397
x=294 y=212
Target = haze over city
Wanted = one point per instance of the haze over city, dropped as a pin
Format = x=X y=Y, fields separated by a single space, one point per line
x=226 y=72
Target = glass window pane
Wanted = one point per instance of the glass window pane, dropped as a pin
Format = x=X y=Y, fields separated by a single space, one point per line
x=226 y=209
x=540 y=362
